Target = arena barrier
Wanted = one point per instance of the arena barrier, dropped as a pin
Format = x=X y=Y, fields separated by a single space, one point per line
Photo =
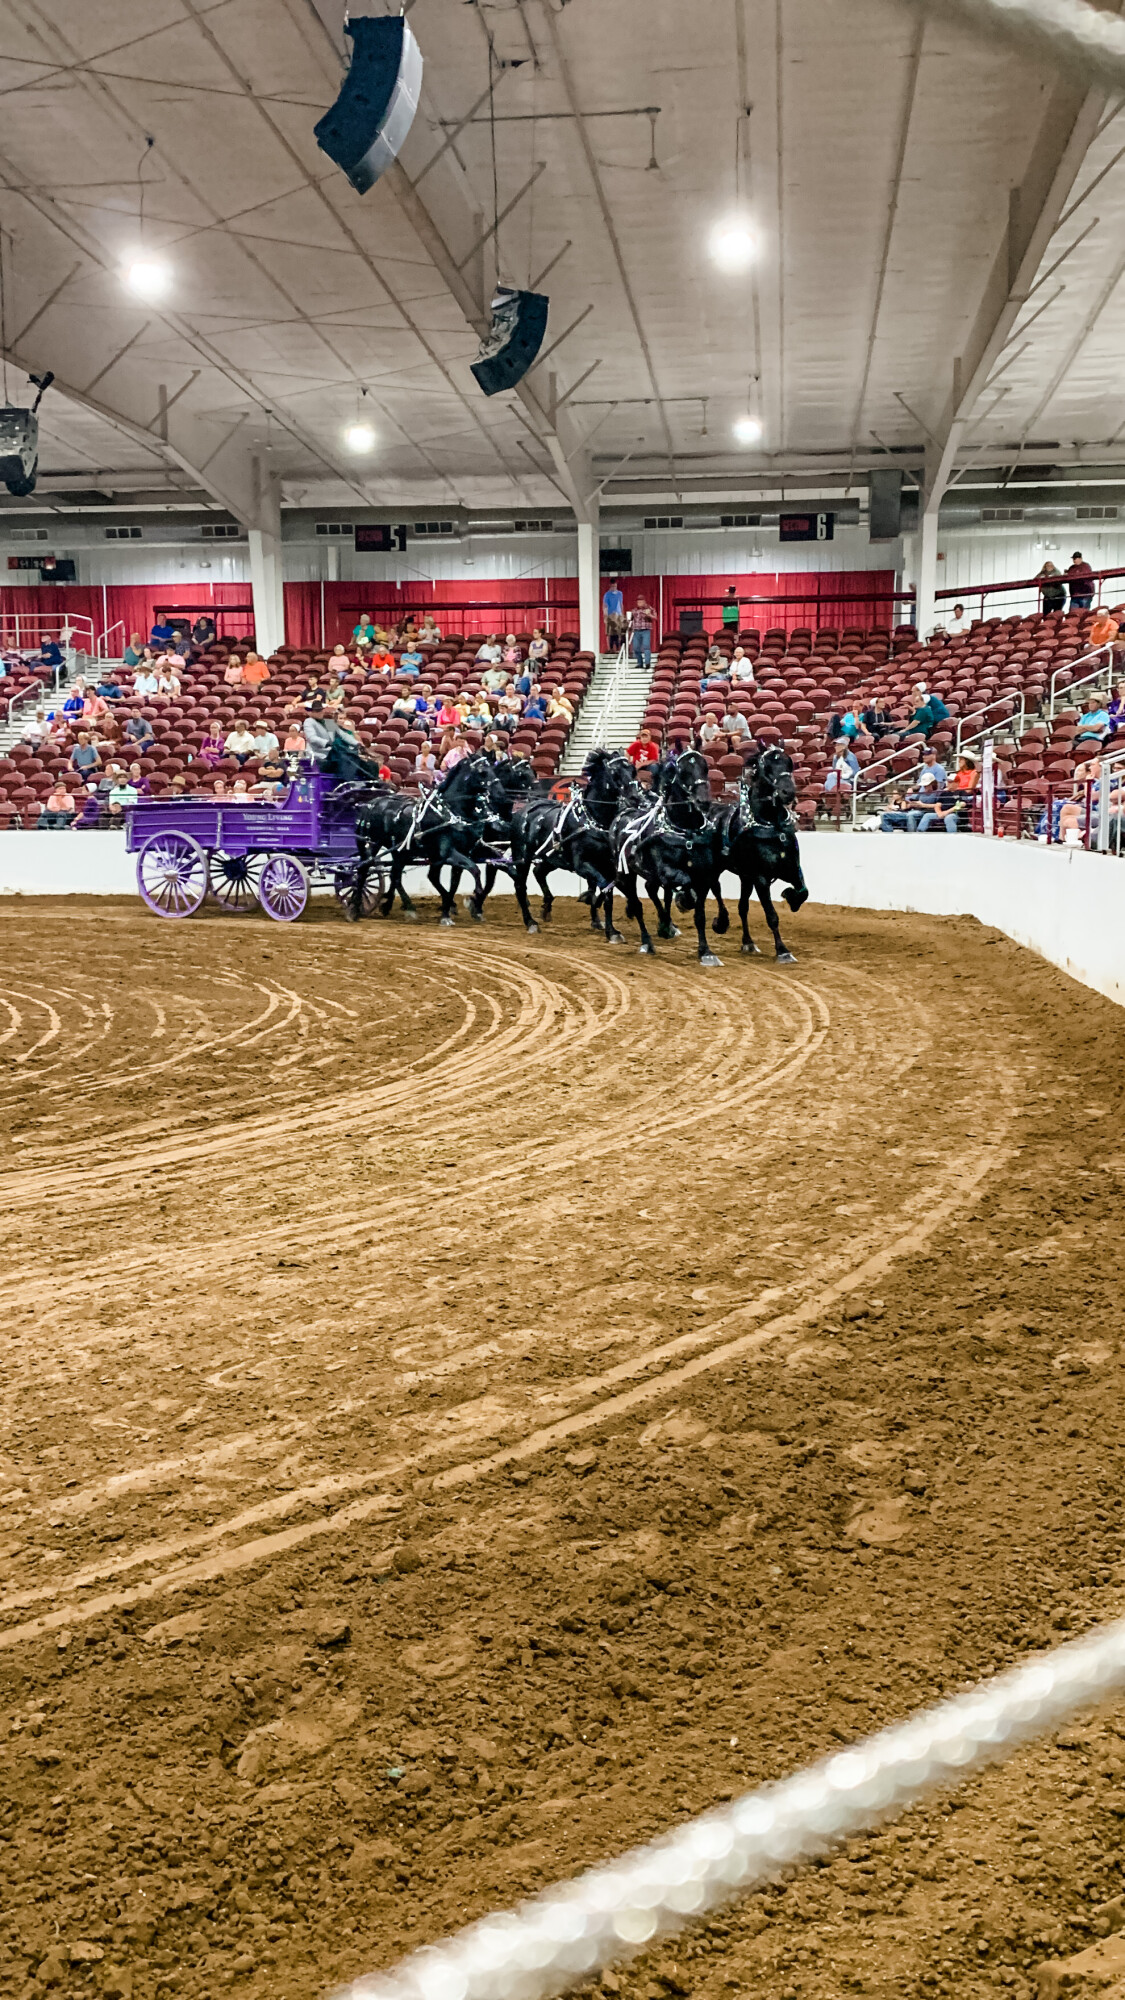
x=572 y=1932
x=1063 y=903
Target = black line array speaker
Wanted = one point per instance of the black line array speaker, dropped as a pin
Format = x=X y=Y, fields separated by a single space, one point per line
x=519 y=321
x=884 y=506
x=366 y=126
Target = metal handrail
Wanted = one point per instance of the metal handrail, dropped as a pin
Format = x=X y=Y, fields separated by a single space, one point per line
x=610 y=695
x=101 y=648
x=989 y=727
x=1111 y=761
x=1068 y=666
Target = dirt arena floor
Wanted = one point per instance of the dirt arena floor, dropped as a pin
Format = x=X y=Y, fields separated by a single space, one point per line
x=470 y=1401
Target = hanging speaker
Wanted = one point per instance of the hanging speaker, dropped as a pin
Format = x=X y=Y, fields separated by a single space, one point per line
x=884 y=492
x=371 y=117
x=519 y=321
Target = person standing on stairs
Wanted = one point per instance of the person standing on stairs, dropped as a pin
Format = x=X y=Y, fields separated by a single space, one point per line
x=642 y=618
x=613 y=605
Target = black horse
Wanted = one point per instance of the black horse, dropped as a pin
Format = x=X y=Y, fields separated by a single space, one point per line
x=439 y=829
x=759 y=845
x=576 y=833
x=511 y=784
x=672 y=843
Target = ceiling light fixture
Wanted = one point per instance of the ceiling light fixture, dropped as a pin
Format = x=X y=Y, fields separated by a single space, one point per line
x=359 y=437
x=733 y=244
x=150 y=278
x=748 y=430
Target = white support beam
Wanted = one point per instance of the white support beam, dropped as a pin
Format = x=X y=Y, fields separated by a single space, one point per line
x=266 y=584
x=589 y=579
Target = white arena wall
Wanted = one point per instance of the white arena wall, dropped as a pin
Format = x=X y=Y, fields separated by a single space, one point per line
x=1066 y=905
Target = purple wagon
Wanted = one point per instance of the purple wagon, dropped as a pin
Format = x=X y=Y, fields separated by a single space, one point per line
x=267 y=854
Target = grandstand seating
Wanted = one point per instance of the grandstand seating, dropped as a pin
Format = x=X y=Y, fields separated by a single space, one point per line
x=991 y=677
x=26 y=775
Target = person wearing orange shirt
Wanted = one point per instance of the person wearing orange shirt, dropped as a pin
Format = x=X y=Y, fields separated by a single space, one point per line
x=254 y=671
x=1103 y=631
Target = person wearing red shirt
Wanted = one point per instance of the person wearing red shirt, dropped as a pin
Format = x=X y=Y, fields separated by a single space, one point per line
x=644 y=750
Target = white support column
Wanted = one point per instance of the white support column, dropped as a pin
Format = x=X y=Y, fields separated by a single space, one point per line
x=589 y=582
x=265 y=563
x=925 y=579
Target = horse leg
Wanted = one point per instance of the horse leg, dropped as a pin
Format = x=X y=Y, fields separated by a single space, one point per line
x=721 y=924
x=665 y=928
x=706 y=955
x=475 y=904
x=744 y=896
x=458 y=861
x=448 y=906
x=520 y=878
x=542 y=876
x=634 y=910
x=407 y=906
x=784 y=955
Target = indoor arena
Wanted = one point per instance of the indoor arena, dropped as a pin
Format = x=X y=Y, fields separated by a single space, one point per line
x=561 y=968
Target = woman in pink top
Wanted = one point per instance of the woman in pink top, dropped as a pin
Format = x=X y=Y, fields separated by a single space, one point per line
x=233 y=671
x=294 y=744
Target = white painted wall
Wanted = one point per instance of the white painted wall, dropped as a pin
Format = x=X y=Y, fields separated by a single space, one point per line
x=1066 y=905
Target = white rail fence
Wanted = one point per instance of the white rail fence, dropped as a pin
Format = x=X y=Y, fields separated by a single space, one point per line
x=572 y=1932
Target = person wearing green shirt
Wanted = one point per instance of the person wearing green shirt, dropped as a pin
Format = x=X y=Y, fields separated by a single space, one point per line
x=731 y=606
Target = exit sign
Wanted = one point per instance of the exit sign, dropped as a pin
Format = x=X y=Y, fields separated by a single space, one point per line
x=807 y=527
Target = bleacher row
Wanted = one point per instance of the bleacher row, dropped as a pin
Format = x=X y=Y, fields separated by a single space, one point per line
x=998 y=671
x=179 y=726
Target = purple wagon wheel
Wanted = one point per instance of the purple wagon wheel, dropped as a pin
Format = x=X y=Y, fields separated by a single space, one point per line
x=233 y=880
x=283 y=888
x=172 y=874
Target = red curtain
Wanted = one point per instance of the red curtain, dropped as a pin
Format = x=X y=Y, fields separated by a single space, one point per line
x=815 y=596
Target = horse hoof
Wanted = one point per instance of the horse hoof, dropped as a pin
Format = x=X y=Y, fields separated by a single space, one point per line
x=721 y=926
x=648 y=951
x=408 y=916
x=616 y=937
x=532 y=930
x=476 y=915
x=446 y=923
x=786 y=958
x=751 y=951
x=708 y=958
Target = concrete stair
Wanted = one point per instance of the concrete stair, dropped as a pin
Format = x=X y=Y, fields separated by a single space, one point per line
x=611 y=713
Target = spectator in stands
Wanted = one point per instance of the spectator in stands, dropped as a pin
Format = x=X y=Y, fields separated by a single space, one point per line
x=335 y=694
x=139 y=731
x=1052 y=589
x=642 y=618
x=643 y=750
x=495 y=748
x=509 y=714
x=1116 y=710
x=404 y=705
x=426 y=765
x=212 y=750
x=742 y=668
x=133 y=654
x=123 y=793
x=709 y=732
x=240 y=743
x=480 y=714
x=266 y=744
x=430 y=634
x=90 y=812
x=535 y=707
x=613 y=609
x=59 y=808
x=36 y=729
x=495 y=678
x=168 y=684
x=380 y=661
x=457 y=750
x=203 y=631
x=219 y=788
x=560 y=705
x=939 y=818
x=364 y=632
x=320 y=732
x=161 y=633
x=1086 y=772
x=108 y=688
x=94 y=709
x=51 y=655
x=254 y=670
x=294 y=744
x=966 y=778
x=513 y=654
x=735 y=727
x=1080 y=577
x=539 y=648
x=145 y=683
x=74 y=705
x=1103 y=631
x=138 y=780
x=232 y=672
x=844 y=771
x=931 y=779
x=411 y=661
x=846 y=722
x=959 y=623
x=878 y=720
x=930 y=712
x=489 y=651
x=1093 y=722
x=731 y=613
x=716 y=667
